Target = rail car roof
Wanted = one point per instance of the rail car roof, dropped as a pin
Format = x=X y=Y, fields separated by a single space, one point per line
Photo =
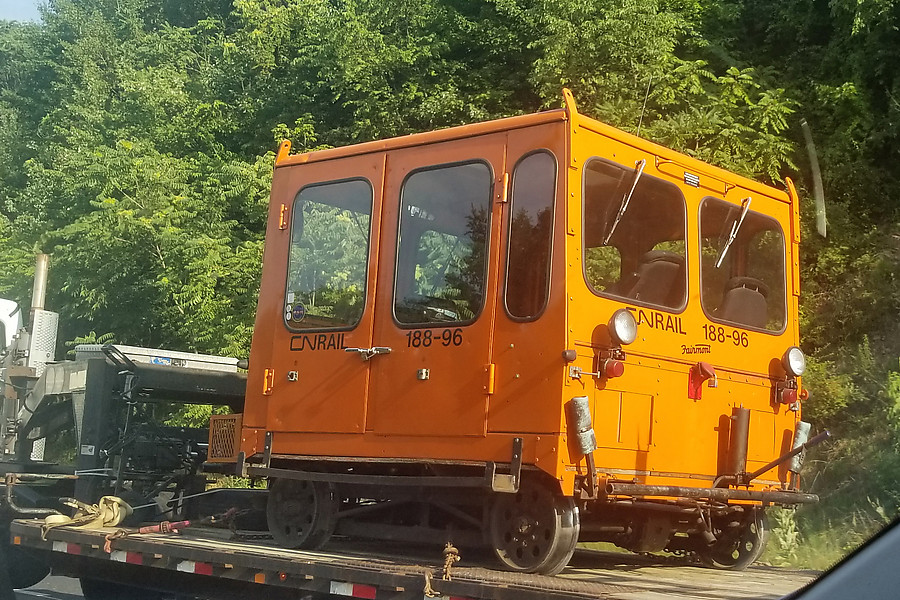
x=663 y=155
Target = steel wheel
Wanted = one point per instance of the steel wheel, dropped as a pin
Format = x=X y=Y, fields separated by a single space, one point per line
x=534 y=531
x=736 y=549
x=301 y=514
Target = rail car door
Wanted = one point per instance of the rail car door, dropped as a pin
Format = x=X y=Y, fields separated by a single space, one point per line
x=319 y=293
x=530 y=326
x=437 y=288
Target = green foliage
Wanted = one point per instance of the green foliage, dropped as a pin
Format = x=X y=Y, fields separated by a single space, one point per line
x=785 y=541
x=728 y=119
x=89 y=338
x=194 y=415
x=232 y=482
x=800 y=541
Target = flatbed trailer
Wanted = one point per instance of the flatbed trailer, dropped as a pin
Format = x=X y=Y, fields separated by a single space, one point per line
x=203 y=562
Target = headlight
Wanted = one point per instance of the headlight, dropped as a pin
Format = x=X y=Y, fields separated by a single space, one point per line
x=794 y=361
x=622 y=327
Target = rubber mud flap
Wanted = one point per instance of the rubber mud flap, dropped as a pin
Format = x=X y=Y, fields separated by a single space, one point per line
x=19 y=568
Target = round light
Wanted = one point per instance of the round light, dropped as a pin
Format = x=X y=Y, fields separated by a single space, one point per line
x=788 y=396
x=613 y=368
x=622 y=327
x=794 y=361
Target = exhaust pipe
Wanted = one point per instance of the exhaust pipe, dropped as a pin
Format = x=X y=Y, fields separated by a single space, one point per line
x=738 y=441
x=581 y=437
x=801 y=436
x=39 y=291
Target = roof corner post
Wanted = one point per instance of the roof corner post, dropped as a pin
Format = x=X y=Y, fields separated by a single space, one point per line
x=569 y=100
x=284 y=151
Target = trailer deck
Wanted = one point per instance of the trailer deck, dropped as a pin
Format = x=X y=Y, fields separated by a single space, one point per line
x=203 y=562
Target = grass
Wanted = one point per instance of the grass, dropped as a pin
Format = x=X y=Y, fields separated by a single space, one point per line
x=820 y=539
x=813 y=539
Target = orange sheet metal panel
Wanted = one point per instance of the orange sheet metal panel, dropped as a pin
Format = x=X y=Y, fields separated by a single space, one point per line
x=452 y=400
x=528 y=352
x=309 y=382
x=647 y=426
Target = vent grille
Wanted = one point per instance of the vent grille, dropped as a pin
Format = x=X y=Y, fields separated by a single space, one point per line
x=43 y=340
x=223 y=437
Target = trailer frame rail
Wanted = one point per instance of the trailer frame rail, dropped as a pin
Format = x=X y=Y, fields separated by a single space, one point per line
x=193 y=560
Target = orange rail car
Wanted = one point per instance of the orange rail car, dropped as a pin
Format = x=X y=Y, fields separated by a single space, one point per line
x=526 y=333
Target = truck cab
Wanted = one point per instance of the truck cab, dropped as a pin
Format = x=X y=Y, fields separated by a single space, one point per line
x=10 y=322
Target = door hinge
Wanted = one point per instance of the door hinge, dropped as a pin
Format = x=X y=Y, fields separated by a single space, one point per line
x=504 y=192
x=268 y=381
x=489 y=370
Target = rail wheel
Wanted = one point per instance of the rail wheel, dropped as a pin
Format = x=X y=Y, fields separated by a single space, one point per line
x=301 y=514
x=535 y=530
x=738 y=545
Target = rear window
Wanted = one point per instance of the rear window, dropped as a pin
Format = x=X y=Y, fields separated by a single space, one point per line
x=330 y=229
x=742 y=282
x=442 y=250
x=530 y=236
x=634 y=235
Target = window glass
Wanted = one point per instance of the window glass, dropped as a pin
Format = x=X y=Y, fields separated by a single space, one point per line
x=530 y=235
x=634 y=242
x=747 y=288
x=442 y=252
x=326 y=284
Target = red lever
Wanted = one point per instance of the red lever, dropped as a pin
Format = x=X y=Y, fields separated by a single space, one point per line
x=701 y=372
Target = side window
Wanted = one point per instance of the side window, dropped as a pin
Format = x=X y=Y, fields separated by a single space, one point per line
x=330 y=229
x=634 y=235
x=530 y=236
x=747 y=287
x=442 y=250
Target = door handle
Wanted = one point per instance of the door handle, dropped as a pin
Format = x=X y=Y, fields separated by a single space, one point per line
x=367 y=353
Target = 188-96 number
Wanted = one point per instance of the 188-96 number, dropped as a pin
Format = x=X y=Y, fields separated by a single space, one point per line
x=715 y=333
x=424 y=338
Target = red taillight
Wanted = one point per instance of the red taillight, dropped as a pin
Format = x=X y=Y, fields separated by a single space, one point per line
x=804 y=394
x=788 y=396
x=613 y=368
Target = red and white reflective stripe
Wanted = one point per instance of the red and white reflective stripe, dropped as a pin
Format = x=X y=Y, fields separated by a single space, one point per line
x=132 y=558
x=67 y=548
x=354 y=590
x=199 y=568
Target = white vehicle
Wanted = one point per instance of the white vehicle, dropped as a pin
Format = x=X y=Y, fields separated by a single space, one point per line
x=10 y=321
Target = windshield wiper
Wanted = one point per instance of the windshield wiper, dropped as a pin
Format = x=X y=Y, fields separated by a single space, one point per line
x=639 y=165
x=735 y=228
